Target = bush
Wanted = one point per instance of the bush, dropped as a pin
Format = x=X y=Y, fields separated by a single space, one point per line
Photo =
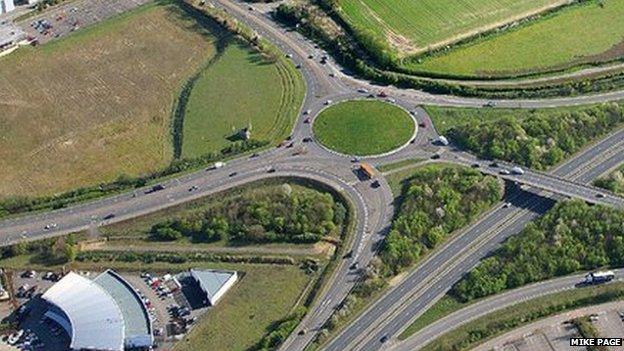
x=541 y=140
x=572 y=236
x=435 y=201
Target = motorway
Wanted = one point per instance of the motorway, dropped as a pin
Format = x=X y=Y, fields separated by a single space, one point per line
x=403 y=303
x=489 y=305
x=374 y=206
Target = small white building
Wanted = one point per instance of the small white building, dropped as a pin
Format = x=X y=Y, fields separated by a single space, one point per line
x=215 y=283
x=6 y=6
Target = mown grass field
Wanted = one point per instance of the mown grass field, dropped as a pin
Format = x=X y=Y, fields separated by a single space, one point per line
x=264 y=295
x=87 y=108
x=363 y=127
x=241 y=88
x=577 y=35
x=416 y=25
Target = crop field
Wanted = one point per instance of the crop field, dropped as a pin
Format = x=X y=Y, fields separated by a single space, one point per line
x=588 y=33
x=237 y=90
x=414 y=26
x=363 y=127
x=87 y=108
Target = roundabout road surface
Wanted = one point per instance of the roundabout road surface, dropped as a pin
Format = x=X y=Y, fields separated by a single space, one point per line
x=374 y=207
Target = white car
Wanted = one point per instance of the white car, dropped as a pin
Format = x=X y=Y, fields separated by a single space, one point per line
x=517 y=170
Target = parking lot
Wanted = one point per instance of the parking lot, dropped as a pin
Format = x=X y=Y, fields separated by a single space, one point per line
x=554 y=333
x=64 y=19
x=170 y=311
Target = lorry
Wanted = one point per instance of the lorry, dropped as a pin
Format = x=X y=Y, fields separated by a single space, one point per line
x=599 y=277
x=367 y=170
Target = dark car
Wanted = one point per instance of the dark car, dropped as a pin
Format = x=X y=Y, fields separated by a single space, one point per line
x=475 y=165
x=233 y=174
x=271 y=170
x=307 y=139
x=348 y=254
x=254 y=155
x=157 y=187
x=384 y=338
x=435 y=156
x=109 y=216
x=375 y=184
x=494 y=164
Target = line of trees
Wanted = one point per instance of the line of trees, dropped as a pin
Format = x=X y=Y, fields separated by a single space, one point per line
x=541 y=140
x=275 y=215
x=572 y=236
x=435 y=201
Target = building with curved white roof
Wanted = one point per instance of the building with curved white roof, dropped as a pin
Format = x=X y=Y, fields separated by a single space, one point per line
x=101 y=314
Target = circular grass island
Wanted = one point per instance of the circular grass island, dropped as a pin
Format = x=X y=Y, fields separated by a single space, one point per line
x=363 y=127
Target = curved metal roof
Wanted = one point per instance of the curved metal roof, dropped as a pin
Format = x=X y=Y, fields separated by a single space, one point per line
x=96 y=319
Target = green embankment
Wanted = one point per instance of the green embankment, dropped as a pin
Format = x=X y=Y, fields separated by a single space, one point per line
x=240 y=89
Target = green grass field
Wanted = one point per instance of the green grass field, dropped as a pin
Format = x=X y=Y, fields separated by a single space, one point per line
x=363 y=127
x=416 y=25
x=264 y=295
x=84 y=109
x=239 y=89
x=577 y=35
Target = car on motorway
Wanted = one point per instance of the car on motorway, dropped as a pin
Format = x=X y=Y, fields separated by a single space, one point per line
x=504 y=172
x=375 y=184
x=193 y=188
x=157 y=187
x=50 y=226
x=490 y=104
x=307 y=112
x=109 y=216
x=348 y=254
x=384 y=338
x=306 y=121
x=363 y=91
x=233 y=174
x=271 y=170
x=422 y=124
x=310 y=56
x=307 y=140
x=600 y=195
x=493 y=165
x=254 y=155
x=507 y=205
x=328 y=102
x=475 y=165
x=354 y=266
x=517 y=170
x=435 y=156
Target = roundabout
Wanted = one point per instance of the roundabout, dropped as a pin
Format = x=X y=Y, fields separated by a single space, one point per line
x=364 y=128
